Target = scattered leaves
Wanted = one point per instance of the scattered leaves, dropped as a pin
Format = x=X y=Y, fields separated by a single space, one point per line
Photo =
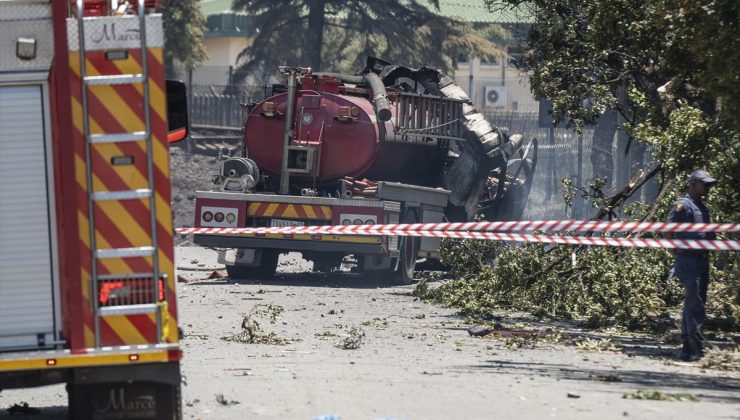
x=378 y=323
x=597 y=345
x=352 y=340
x=252 y=332
x=721 y=359
x=659 y=396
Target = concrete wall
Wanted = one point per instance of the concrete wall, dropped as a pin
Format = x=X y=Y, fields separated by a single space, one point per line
x=495 y=75
x=222 y=52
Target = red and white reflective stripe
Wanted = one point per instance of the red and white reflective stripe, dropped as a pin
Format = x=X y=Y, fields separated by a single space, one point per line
x=483 y=230
x=521 y=226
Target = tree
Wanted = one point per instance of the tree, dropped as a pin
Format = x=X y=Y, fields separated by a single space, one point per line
x=184 y=27
x=669 y=67
x=337 y=35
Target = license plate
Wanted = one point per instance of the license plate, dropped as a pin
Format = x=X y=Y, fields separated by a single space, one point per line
x=285 y=223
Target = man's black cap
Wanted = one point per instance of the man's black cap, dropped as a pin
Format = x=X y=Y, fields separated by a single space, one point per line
x=702 y=176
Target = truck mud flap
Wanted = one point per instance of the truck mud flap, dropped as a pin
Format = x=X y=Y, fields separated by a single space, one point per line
x=108 y=396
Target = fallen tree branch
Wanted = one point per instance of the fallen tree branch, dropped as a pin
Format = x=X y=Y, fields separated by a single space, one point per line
x=635 y=183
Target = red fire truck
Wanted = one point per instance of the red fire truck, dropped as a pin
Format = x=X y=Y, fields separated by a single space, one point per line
x=87 y=287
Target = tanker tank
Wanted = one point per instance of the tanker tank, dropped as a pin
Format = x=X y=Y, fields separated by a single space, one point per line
x=389 y=123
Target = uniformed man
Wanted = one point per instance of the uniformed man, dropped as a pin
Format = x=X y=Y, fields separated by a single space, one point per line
x=692 y=266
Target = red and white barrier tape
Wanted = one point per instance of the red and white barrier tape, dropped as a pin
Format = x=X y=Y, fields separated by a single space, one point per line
x=483 y=230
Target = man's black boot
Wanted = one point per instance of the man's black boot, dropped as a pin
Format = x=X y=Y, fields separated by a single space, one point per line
x=695 y=349
x=699 y=346
x=685 y=350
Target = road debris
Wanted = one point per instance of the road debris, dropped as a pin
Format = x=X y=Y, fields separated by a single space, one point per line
x=571 y=395
x=605 y=345
x=217 y=275
x=252 y=332
x=378 y=323
x=352 y=340
x=659 y=396
x=721 y=359
x=326 y=417
x=223 y=401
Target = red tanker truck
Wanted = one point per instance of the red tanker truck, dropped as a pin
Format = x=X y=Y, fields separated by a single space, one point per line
x=390 y=145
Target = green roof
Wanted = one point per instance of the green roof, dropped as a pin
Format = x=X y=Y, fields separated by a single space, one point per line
x=474 y=11
x=214 y=7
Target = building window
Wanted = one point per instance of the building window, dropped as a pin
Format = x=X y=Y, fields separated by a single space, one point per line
x=515 y=55
x=493 y=61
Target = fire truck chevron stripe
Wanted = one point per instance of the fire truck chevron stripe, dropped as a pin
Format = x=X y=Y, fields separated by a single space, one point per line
x=119 y=109
x=163 y=205
x=290 y=211
x=127 y=331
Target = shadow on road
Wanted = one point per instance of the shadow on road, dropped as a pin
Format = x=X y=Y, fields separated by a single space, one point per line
x=342 y=280
x=53 y=412
x=693 y=383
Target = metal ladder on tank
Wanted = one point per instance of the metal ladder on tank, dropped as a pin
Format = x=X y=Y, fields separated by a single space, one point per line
x=148 y=193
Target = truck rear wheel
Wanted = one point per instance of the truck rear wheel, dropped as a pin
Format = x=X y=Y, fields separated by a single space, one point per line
x=266 y=269
x=407 y=261
x=409 y=251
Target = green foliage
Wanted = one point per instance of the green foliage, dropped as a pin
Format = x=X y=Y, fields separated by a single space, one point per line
x=669 y=67
x=252 y=332
x=601 y=286
x=727 y=359
x=184 y=27
x=692 y=140
x=659 y=396
x=337 y=35
x=352 y=340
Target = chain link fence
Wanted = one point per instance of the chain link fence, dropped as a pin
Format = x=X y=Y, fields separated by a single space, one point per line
x=562 y=153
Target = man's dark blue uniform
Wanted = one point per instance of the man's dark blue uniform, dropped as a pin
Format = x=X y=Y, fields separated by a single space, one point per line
x=692 y=266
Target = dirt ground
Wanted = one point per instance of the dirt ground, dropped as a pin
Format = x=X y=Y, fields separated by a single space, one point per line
x=415 y=361
x=189 y=173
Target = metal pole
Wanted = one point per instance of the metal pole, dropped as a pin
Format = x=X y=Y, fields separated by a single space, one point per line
x=551 y=163
x=189 y=141
x=579 y=175
x=471 y=85
x=288 y=134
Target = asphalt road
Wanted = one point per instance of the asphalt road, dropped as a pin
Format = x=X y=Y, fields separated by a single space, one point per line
x=415 y=361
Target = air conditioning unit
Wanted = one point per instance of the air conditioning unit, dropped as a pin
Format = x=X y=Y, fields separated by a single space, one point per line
x=495 y=96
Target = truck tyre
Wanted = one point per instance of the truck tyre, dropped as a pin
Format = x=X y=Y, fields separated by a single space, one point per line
x=407 y=261
x=408 y=254
x=266 y=269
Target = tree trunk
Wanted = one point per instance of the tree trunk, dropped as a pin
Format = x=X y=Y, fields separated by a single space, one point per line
x=601 y=148
x=315 y=38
